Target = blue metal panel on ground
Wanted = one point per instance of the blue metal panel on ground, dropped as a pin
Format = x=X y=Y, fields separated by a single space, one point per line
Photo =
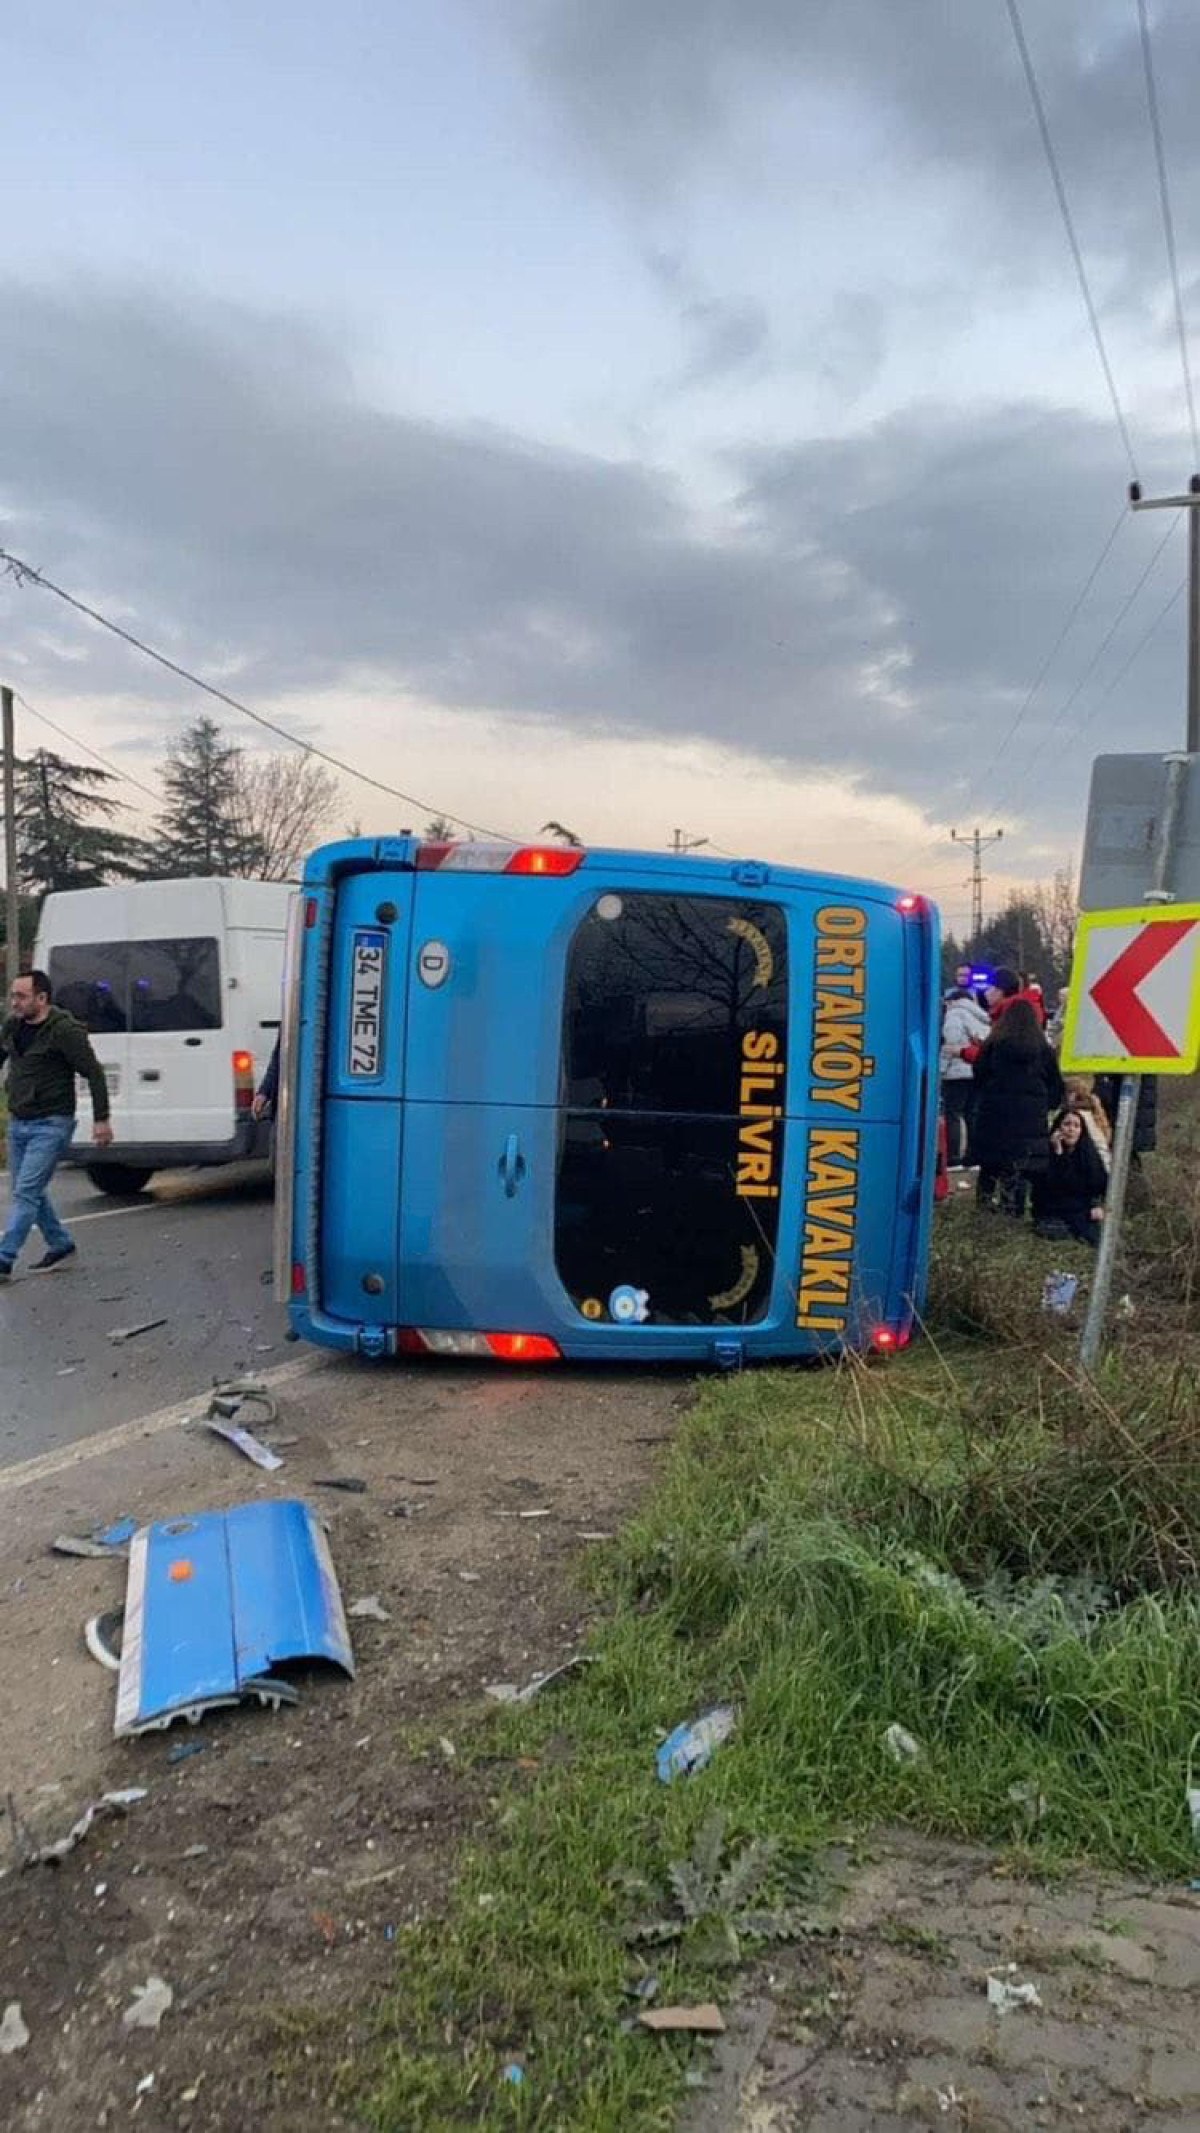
x=215 y=1601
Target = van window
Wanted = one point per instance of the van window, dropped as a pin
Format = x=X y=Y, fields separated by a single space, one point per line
x=113 y=986
x=674 y=1066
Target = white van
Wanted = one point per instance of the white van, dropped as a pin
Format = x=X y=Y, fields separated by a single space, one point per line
x=179 y=984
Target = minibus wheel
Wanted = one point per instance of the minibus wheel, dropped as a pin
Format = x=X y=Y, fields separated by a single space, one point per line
x=118 y=1178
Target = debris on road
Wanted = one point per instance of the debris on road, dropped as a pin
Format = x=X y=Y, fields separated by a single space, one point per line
x=349 y=1482
x=369 y=1609
x=901 y=1745
x=1006 y=1993
x=109 y=1803
x=149 y=2005
x=130 y=1333
x=14 y=2035
x=102 y=1634
x=692 y=1745
x=102 y=1541
x=244 y=1441
x=215 y=1603
x=706 y=2020
x=1058 y=1293
x=185 y=1749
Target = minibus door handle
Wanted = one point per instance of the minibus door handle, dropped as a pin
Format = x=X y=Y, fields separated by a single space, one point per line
x=512 y=1165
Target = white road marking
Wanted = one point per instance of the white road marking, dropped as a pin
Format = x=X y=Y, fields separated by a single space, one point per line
x=105 y=1214
x=47 y=1464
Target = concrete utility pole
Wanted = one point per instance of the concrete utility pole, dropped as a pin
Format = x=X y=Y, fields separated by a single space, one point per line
x=1191 y=504
x=681 y=842
x=12 y=933
x=979 y=844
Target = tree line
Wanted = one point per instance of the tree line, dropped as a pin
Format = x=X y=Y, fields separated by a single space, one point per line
x=224 y=811
x=1035 y=932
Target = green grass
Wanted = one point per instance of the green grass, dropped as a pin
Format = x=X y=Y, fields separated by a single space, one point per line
x=975 y=1543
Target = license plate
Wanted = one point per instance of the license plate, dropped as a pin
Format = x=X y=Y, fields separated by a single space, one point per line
x=366 y=1005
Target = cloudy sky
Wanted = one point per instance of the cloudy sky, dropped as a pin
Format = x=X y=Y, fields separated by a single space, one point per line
x=651 y=414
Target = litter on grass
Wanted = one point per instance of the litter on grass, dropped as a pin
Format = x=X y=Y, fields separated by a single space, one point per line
x=706 y=2020
x=901 y=1745
x=508 y=1691
x=694 y=1744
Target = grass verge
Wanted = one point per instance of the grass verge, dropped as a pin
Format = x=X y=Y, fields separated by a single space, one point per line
x=977 y=1545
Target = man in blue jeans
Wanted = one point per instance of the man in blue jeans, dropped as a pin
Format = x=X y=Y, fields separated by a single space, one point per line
x=45 y=1050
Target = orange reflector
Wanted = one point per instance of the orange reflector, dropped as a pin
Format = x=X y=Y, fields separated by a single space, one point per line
x=522 y=1347
x=551 y=859
x=180 y=1571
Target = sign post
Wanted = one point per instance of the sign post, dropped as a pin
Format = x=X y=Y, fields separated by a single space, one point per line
x=1134 y=1008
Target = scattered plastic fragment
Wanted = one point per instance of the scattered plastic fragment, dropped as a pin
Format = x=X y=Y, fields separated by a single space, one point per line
x=1127 y=1307
x=1058 y=1293
x=14 y=2035
x=544 y=1511
x=593 y=1535
x=184 y=1749
x=1005 y=1993
x=901 y=1745
x=369 y=1609
x=102 y=1635
x=1031 y=1803
x=508 y=1692
x=100 y=1542
x=143 y=2089
x=244 y=1441
x=215 y=1603
x=705 y=2020
x=108 y=1803
x=149 y=2005
x=469 y=1577
x=349 y=1482
x=195 y=1851
x=130 y=1333
x=513 y=2074
x=693 y=1745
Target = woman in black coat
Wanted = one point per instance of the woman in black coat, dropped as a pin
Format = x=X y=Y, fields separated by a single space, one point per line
x=1068 y=1196
x=1018 y=1086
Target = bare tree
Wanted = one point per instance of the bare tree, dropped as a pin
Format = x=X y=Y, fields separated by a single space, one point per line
x=283 y=803
x=565 y=836
x=1056 y=909
x=440 y=830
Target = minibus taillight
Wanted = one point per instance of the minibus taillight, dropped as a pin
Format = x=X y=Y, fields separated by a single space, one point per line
x=550 y=860
x=887 y=1339
x=910 y=906
x=243 y=1080
x=299 y=1278
x=500 y=1347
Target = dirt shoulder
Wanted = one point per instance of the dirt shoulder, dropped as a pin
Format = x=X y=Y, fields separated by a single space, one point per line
x=264 y=1878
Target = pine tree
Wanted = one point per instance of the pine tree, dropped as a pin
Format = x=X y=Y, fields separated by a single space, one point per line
x=65 y=838
x=200 y=829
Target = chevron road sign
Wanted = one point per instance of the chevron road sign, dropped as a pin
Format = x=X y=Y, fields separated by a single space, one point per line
x=1134 y=1000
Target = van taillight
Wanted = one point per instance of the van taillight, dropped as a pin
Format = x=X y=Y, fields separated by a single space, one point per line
x=502 y=1347
x=243 y=1080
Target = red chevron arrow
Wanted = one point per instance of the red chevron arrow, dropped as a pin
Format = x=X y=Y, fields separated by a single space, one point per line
x=1116 y=992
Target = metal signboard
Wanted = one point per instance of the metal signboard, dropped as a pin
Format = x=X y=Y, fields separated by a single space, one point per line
x=1126 y=809
x=1134 y=1000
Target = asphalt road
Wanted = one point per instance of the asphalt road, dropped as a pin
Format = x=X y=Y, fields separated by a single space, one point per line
x=192 y=1251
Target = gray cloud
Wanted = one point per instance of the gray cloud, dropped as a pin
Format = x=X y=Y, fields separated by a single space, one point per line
x=877 y=604
x=657 y=94
x=723 y=334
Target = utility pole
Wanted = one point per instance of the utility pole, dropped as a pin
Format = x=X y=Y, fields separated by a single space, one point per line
x=12 y=933
x=682 y=843
x=1191 y=504
x=979 y=844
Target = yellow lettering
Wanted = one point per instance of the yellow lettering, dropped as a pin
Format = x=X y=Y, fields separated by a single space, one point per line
x=759 y=1044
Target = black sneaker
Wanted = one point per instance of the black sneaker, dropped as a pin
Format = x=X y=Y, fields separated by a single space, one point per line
x=6 y=1267
x=52 y=1259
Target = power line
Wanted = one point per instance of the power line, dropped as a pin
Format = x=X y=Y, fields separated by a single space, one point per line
x=25 y=573
x=1039 y=109
x=126 y=776
x=1168 y=222
x=1089 y=670
x=982 y=777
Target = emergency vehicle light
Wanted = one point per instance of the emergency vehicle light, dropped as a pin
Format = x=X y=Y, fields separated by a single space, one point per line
x=547 y=859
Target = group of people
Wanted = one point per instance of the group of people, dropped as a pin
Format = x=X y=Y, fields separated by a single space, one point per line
x=1041 y=1143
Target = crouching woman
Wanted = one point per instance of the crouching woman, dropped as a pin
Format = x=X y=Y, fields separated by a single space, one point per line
x=1068 y=1195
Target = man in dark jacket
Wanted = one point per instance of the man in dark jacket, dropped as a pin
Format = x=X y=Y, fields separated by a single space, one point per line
x=45 y=1050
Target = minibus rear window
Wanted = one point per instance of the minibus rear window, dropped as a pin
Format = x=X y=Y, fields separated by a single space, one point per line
x=164 y=985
